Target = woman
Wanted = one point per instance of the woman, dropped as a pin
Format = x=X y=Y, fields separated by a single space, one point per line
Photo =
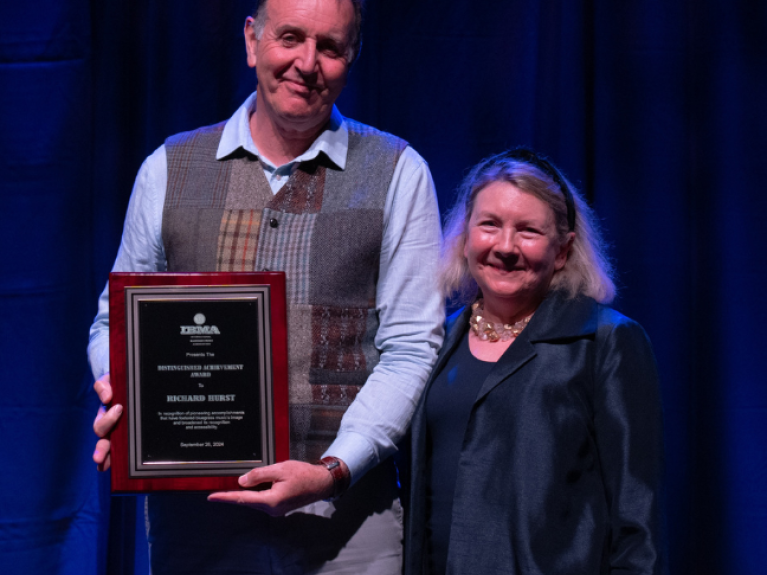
x=537 y=446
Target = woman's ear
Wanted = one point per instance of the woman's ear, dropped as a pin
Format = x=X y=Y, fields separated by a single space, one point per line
x=564 y=251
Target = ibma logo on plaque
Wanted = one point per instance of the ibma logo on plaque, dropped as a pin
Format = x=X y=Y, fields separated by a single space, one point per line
x=200 y=328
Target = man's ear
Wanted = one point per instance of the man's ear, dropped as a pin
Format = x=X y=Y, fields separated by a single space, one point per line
x=251 y=43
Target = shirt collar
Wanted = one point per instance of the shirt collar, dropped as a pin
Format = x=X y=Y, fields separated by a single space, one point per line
x=333 y=141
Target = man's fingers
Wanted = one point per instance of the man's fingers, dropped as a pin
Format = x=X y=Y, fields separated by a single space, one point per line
x=106 y=420
x=259 y=476
x=101 y=454
x=106 y=465
x=263 y=501
x=103 y=388
x=293 y=485
x=239 y=497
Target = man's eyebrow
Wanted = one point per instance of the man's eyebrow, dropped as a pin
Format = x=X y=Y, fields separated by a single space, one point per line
x=289 y=28
x=340 y=39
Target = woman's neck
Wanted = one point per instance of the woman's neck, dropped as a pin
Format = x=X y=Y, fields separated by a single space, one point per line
x=508 y=311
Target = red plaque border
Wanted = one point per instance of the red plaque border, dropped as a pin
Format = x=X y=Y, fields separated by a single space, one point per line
x=118 y=281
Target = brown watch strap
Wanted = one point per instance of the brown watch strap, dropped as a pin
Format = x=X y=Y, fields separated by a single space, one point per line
x=341 y=479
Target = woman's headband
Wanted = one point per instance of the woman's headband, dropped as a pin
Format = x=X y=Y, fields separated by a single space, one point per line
x=528 y=156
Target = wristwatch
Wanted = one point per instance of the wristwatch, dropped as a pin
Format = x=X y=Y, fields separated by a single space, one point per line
x=341 y=478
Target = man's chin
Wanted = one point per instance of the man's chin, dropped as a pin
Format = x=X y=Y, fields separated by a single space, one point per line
x=303 y=119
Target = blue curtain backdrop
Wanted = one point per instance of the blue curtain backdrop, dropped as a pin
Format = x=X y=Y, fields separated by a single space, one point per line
x=656 y=108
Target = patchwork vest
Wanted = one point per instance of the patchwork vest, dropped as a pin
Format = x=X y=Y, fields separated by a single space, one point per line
x=323 y=229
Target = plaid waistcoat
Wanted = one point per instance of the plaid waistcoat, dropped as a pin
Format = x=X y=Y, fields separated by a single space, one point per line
x=323 y=229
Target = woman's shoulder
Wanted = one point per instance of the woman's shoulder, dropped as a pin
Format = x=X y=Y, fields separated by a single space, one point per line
x=564 y=316
x=609 y=316
x=455 y=317
x=614 y=325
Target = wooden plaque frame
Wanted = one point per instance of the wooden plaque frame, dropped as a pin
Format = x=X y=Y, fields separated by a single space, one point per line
x=130 y=473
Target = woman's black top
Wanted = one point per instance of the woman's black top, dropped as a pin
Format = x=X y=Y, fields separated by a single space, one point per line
x=559 y=467
x=448 y=406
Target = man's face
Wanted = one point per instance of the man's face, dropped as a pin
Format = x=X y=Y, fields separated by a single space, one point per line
x=301 y=60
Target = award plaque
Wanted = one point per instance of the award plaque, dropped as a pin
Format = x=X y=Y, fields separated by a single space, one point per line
x=199 y=363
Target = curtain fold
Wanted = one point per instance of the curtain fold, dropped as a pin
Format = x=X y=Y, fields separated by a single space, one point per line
x=48 y=517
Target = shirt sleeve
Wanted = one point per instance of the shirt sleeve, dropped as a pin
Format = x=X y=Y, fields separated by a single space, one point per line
x=628 y=431
x=141 y=247
x=411 y=315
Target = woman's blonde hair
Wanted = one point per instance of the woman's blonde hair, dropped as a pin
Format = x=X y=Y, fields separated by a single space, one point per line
x=588 y=270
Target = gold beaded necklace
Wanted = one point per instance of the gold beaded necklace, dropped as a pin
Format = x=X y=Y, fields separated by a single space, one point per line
x=489 y=331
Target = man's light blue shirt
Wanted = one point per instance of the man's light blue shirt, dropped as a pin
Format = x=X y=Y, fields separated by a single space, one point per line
x=410 y=309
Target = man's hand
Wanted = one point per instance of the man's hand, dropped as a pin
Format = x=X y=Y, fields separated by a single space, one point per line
x=294 y=484
x=104 y=422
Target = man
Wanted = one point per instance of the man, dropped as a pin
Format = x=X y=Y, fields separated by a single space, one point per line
x=349 y=213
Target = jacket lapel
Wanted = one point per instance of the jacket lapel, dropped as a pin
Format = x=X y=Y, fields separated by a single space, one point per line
x=518 y=354
x=557 y=318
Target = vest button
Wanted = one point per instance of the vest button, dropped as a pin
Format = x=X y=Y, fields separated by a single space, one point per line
x=274 y=223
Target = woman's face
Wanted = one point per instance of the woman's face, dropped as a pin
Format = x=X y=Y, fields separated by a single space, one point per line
x=513 y=249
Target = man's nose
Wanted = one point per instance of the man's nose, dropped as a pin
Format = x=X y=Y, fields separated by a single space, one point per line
x=306 y=62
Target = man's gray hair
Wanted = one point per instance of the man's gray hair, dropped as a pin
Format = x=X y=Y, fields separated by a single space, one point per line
x=355 y=40
x=588 y=270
